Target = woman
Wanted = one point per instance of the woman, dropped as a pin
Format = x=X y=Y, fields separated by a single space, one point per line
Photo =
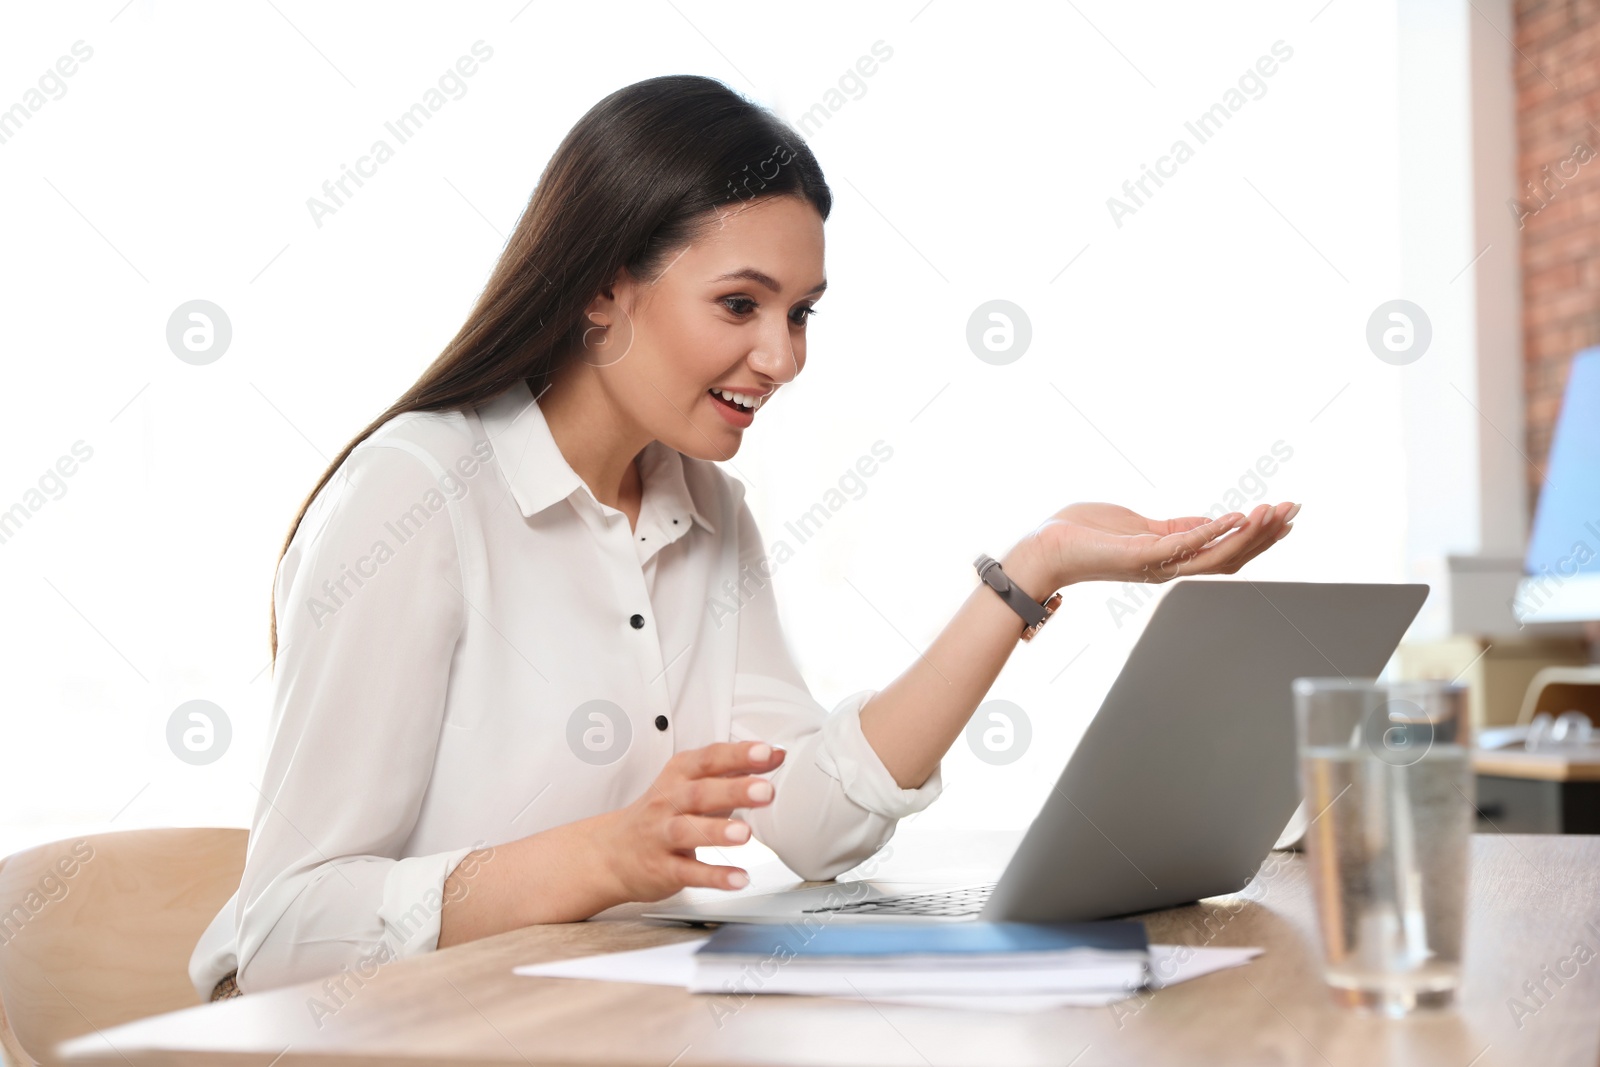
x=507 y=688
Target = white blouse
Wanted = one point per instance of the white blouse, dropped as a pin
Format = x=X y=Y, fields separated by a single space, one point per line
x=472 y=649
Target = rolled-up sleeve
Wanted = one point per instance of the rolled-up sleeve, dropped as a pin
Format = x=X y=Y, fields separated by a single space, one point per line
x=369 y=613
x=835 y=804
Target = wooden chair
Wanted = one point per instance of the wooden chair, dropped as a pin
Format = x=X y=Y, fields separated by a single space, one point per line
x=98 y=930
x=1559 y=689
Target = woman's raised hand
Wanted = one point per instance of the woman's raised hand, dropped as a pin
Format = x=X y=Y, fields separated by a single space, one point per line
x=650 y=844
x=1104 y=542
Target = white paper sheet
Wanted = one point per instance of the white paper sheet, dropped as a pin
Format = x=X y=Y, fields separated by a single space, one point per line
x=674 y=964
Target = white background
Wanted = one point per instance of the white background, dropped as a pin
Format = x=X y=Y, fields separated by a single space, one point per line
x=1225 y=315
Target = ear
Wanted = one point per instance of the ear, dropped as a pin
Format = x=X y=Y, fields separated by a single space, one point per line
x=603 y=309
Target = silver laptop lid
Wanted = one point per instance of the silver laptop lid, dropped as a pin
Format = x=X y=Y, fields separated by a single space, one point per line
x=1186 y=776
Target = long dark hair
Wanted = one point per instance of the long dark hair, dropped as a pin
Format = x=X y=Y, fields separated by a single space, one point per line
x=634 y=180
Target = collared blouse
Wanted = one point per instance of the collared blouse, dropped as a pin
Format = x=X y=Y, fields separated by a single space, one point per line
x=472 y=649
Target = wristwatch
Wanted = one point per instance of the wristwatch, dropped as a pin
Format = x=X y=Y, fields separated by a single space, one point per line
x=1033 y=613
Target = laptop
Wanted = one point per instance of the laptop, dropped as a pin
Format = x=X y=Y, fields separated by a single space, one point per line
x=1182 y=782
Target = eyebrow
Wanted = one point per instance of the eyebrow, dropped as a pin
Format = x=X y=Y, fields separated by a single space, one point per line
x=751 y=274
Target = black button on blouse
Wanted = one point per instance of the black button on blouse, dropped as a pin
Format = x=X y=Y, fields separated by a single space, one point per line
x=637 y=622
x=661 y=722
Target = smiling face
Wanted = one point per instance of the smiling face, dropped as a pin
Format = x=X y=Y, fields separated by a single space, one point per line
x=728 y=311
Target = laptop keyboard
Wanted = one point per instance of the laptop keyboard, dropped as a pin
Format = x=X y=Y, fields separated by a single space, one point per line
x=968 y=900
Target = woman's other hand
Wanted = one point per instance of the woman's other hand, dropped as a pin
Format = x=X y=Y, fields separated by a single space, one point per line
x=649 y=845
x=1105 y=542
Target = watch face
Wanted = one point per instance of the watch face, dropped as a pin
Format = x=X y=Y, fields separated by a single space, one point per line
x=1050 y=606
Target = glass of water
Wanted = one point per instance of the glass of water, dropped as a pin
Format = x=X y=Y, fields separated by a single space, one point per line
x=1387 y=775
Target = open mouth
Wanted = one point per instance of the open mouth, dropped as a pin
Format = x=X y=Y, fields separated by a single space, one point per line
x=724 y=398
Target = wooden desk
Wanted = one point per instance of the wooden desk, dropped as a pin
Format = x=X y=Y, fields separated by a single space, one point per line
x=1531 y=898
x=1540 y=766
x=1537 y=792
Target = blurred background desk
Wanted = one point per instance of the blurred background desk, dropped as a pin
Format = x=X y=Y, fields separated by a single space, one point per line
x=1521 y=792
x=1537 y=793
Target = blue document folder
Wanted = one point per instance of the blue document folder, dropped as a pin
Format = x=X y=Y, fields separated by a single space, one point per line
x=858 y=959
x=955 y=941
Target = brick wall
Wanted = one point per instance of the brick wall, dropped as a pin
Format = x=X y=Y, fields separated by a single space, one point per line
x=1558 y=174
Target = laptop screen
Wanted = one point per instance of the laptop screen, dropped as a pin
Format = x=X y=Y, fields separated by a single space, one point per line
x=1565 y=542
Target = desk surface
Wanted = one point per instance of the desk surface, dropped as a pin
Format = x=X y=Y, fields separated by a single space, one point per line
x=1533 y=899
x=1544 y=766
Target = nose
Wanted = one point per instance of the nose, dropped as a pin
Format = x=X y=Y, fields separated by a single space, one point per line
x=774 y=355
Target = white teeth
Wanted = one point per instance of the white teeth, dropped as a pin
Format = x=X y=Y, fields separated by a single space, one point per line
x=738 y=398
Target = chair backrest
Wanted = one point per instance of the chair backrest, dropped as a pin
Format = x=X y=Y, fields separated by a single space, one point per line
x=1559 y=689
x=97 y=931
